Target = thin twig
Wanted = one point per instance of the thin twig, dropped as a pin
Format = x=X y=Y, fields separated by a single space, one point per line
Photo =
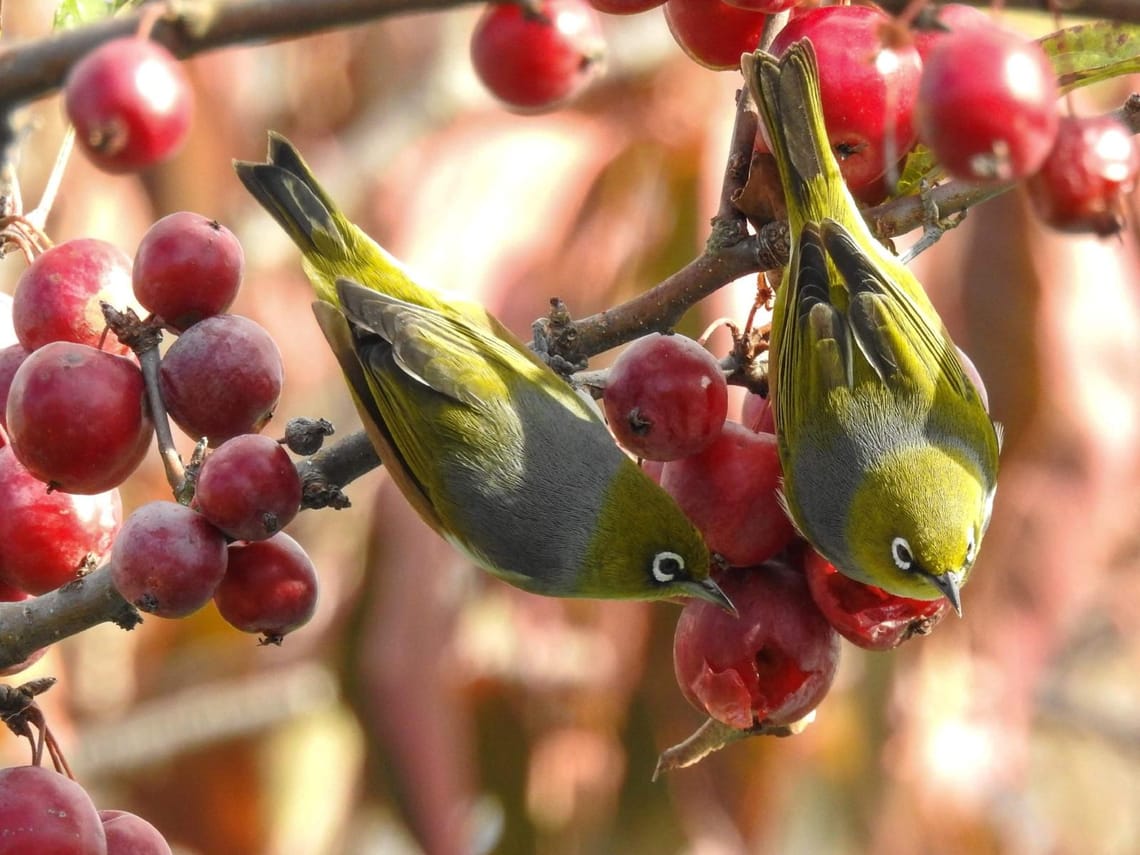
x=150 y=362
x=38 y=216
x=660 y=308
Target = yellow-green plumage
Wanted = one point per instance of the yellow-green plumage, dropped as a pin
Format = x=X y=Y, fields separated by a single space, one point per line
x=889 y=456
x=494 y=450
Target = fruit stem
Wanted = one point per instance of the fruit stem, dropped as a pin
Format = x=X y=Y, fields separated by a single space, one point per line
x=714 y=735
x=149 y=360
x=711 y=736
x=37 y=217
x=734 y=330
x=772 y=27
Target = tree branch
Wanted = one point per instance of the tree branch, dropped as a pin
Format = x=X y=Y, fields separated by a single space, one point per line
x=1116 y=10
x=35 y=68
x=28 y=625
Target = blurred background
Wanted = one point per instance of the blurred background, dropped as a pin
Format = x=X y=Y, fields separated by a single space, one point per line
x=430 y=708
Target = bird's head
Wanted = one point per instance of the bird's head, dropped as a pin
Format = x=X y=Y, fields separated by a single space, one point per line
x=916 y=523
x=644 y=547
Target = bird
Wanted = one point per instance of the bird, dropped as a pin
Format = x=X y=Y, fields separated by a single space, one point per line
x=889 y=456
x=494 y=450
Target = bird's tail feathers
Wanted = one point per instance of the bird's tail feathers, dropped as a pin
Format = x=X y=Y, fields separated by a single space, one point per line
x=288 y=190
x=786 y=91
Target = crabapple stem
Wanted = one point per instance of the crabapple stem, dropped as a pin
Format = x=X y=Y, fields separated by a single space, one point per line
x=149 y=361
x=711 y=736
x=37 y=217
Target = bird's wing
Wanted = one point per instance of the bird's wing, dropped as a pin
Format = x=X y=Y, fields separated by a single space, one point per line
x=443 y=353
x=424 y=382
x=902 y=341
x=814 y=357
x=339 y=335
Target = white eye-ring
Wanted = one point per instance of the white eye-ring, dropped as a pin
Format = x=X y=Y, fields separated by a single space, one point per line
x=971 y=546
x=900 y=552
x=666 y=566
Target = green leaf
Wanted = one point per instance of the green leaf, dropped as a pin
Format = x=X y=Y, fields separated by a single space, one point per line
x=919 y=164
x=76 y=13
x=1092 y=52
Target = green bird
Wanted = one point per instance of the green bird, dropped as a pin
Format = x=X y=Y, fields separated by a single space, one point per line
x=889 y=455
x=493 y=449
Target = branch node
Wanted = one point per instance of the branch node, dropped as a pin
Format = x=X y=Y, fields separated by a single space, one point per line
x=774 y=245
x=318 y=492
x=556 y=340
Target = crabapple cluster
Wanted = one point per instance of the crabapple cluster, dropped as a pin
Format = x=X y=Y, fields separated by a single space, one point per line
x=44 y=811
x=666 y=402
x=78 y=423
x=220 y=381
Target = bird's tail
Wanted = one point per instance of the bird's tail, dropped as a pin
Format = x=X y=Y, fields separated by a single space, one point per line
x=288 y=190
x=786 y=91
x=332 y=246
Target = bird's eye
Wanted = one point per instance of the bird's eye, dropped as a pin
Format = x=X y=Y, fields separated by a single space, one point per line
x=900 y=552
x=667 y=566
x=971 y=547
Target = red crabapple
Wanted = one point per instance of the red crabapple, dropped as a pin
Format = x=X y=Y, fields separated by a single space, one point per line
x=248 y=487
x=987 y=104
x=49 y=538
x=666 y=397
x=130 y=102
x=865 y=615
x=46 y=813
x=270 y=587
x=57 y=297
x=221 y=378
x=168 y=559
x=11 y=357
x=77 y=417
x=771 y=665
x=129 y=834
x=1081 y=185
x=712 y=33
x=625 y=7
x=187 y=267
x=537 y=60
x=868 y=90
x=947 y=19
x=756 y=413
x=730 y=492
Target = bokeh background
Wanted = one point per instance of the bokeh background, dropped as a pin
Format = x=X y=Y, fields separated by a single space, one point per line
x=431 y=708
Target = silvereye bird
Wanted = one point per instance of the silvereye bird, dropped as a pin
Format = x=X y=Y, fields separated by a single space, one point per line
x=492 y=448
x=889 y=455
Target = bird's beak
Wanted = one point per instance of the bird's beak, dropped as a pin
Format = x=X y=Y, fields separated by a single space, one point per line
x=709 y=591
x=950 y=584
